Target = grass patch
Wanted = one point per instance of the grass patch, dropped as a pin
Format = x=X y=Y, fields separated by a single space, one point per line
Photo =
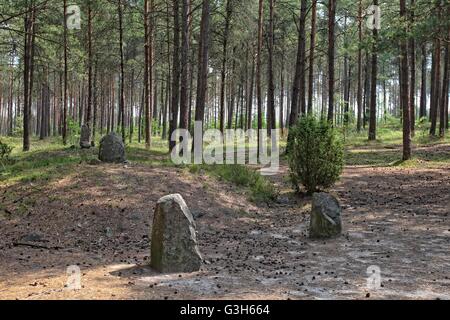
x=260 y=188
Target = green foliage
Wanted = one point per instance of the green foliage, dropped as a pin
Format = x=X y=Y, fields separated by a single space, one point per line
x=5 y=152
x=261 y=189
x=18 y=130
x=73 y=131
x=316 y=155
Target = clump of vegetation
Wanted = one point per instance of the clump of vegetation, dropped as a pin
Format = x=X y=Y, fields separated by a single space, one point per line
x=5 y=152
x=261 y=189
x=316 y=155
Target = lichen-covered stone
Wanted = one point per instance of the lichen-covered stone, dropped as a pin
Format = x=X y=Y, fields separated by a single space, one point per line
x=174 y=241
x=325 y=216
x=112 y=149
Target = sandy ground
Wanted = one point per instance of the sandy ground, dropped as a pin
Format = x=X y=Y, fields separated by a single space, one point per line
x=100 y=219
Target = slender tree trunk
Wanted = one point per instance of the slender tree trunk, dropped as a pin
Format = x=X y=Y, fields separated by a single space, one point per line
x=299 y=67
x=175 y=74
x=89 y=102
x=443 y=121
x=122 y=72
x=311 y=57
x=412 y=83
x=28 y=72
x=359 y=98
x=423 y=88
x=258 y=70
x=203 y=57
x=250 y=94
x=282 y=94
x=436 y=83
x=229 y=11
x=271 y=124
x=404 y=91
x=373 y=85
x=184 y=103
x=331 y=53
x=64 y=116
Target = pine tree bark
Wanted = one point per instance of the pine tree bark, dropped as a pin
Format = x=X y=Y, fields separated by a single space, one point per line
x=443 y=119
x=373 y=85
x=122 y=72
x=184 y=103
x=359 y=97
x=331 y=53
x=229 y=11
x=30 y=19
x=436 y=83
x=173 y=120
x=404 y=91
x=299 y=68
x=311 y=56
x=258 y=70
x=202 y=71
x=423 y=87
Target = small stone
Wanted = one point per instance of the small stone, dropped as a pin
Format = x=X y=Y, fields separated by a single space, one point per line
x=325 y=216
x=33 y=237
x=85 y=137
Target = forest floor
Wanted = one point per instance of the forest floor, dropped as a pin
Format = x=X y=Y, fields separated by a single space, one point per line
x=58 y=210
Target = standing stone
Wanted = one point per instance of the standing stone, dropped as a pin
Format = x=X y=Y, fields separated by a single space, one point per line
x=325 y=216
x=174 y=241
x=85 y=137
x=112 y=149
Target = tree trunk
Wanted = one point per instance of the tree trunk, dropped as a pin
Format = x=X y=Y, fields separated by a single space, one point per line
x=184 y=103
x=331 y=52
x=202 y=71
x=404 y=91
x=436 y=83
x=175 y=74
x=271 y=123
x=122 y=72
x=28 y=72
x=443 y=121
x=423 y=87
x=359 y=101
x=258 y=70
x=373 y=85
x=311 y=56
x=412 y=83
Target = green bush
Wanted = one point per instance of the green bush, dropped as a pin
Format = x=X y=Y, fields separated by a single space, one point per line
x=315 y=154
x=5 y=152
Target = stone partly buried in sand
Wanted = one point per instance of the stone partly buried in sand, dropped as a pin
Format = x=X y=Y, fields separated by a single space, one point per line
x=325 y=216
x=174 y=241
x=112 y=149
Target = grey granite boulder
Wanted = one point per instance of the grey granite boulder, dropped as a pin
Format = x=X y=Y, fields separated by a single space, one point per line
x=325 y=216
x=112 y=149
x=85 y=137
x=174 y=241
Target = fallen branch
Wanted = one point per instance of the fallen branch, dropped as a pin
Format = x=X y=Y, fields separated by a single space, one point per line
x=35 y=246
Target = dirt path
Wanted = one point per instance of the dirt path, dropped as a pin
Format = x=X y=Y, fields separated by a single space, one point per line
x=100 y=219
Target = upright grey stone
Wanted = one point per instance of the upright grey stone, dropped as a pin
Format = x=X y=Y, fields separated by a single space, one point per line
x=174 y=241
x=85 y=137
x=325 y=216
x=112 y=149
